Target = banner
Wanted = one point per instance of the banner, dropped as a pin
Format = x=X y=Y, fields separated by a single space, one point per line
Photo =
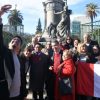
x=88 y=79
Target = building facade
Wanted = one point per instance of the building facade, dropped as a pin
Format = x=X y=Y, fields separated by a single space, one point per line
x=76 y=28
x=77 y=25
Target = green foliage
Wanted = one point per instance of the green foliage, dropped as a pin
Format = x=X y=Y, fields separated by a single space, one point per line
x=38 y=28
x=25 y=37
x=92 y=10
x=7 y=37
x=96 y=32
x=15 y=19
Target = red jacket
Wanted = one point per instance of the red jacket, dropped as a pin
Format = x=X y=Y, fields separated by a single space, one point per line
x=67 y=70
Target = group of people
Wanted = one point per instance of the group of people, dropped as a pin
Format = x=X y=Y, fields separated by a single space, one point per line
x=45 y=64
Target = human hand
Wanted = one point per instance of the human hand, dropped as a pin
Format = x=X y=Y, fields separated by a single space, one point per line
x=25 y=98
x=98 y=57
x=51 y=68
x=87 y=57
x=4 y=9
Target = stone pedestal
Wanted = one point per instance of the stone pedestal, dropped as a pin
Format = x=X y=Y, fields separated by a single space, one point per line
x=46 y=36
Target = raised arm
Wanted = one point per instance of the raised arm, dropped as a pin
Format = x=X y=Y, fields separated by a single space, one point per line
x=4 y=9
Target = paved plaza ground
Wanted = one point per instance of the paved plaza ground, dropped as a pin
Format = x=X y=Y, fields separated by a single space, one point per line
x=29 y=97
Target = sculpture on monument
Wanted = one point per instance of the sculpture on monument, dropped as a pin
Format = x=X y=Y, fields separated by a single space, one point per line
x=55 y=26
x=52 y=30
x=63 y=26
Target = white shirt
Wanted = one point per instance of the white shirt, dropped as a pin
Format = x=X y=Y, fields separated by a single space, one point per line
x=98 y=62
x=16 y=82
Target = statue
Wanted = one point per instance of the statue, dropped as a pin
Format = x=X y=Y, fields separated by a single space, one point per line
x=52 y=30
x=63 y=26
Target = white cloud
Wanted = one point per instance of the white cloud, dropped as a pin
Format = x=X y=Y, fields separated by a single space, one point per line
x=73 y=16
x=97 y=18
x=73 y=2
x=31 y=10
x=26 y=4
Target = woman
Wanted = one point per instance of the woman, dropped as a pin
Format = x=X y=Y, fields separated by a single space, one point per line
x=84 y=56
x=76 y=41
x=69 y=43
x=67 y=70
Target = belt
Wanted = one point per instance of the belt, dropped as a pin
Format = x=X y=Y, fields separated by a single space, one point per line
x=2 y=80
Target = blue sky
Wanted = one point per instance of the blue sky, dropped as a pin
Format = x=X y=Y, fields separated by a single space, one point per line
x=79 y=8
x=32 y=10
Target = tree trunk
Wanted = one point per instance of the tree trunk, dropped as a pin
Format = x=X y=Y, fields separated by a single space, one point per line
x=92 y=27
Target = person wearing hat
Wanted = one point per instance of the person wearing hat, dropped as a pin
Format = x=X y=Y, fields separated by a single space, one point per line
x=38 y=72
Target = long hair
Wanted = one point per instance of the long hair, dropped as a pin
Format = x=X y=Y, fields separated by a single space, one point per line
x=79 y=47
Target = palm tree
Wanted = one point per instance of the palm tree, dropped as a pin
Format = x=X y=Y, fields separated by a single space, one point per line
x=92 y=10
x=15 y=18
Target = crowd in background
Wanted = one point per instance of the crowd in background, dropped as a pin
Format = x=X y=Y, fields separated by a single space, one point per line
x=43 y=64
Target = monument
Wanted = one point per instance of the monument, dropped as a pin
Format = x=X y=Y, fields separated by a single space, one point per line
x=57 y=17
x=51 y=6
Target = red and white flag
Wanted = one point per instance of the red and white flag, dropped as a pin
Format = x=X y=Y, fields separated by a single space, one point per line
x=88 y=79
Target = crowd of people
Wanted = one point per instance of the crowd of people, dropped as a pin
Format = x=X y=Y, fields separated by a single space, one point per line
x=45 y=65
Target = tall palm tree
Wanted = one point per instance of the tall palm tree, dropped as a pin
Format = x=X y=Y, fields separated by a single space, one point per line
x=15 y=18
x=92 y=10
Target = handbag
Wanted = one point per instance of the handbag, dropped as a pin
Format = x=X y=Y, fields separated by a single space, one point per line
x=64 y=83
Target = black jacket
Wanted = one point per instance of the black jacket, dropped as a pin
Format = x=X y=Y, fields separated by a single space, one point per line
x=5 y=55
x=24 y=90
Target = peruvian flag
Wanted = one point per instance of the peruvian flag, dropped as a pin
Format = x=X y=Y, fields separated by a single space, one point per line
x=88 y=79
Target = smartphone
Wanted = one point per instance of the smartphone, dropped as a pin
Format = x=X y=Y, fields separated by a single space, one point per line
x=6 y=7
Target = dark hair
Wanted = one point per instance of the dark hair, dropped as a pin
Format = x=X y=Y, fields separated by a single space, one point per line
x=55 y=41
x=17 y=36
x=39 y=45
x=76 y=39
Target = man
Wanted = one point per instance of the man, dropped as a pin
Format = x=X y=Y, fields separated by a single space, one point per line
x=4 y=93
x=89 y=42
x=10 y=79
x=49 y=76
x=56 y=59
x=89 y=45
x=14 y=90
x=38 y=72
x=5 y=60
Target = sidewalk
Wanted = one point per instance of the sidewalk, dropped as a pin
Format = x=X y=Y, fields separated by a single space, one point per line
x=29 y=97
